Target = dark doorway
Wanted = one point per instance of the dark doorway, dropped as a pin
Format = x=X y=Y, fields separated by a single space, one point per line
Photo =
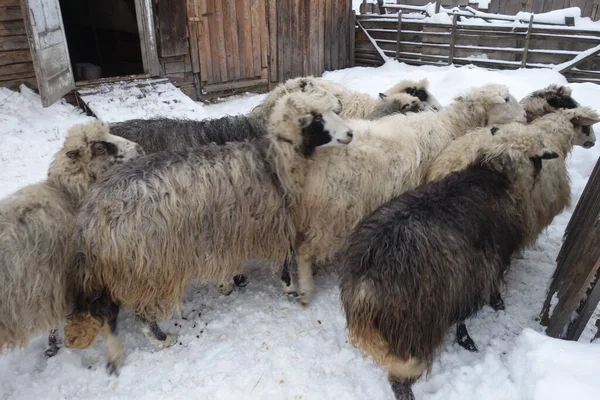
x=102 y=37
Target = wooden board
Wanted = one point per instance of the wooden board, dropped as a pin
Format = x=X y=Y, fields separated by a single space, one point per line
x=11 y=28
x=49 y=50
x=15 y=56
x=172 y=27
x=147 y=32
x=10 y=13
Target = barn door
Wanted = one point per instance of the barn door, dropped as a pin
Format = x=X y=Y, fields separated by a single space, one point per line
x=232 y=40
x=45 y=31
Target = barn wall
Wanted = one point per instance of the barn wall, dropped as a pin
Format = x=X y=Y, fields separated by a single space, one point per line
x=16 y=66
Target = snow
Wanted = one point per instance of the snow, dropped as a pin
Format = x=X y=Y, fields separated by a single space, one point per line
x=255 y=343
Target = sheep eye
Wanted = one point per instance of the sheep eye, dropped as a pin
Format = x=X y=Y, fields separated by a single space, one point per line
x=318 y=118
x=98 y=148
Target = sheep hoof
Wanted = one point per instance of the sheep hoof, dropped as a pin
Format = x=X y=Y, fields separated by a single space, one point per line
x=293 y=295
x=496 y=302
x=169 y=341
x=51 y=352
x=240 y=280
x=464 y=340
x=402 y=390
x=113 y=368
x=304 y=298
x=225 y=289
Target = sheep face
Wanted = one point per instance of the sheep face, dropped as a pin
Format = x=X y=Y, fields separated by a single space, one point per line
x=504 y=108
x=548 y=100
x=309 y=119
x=89 y=150
x=584 y=131
x=418 y=89
x=398 y=103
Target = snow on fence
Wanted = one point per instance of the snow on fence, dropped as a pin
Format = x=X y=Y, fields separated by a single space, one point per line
x=495 y=46
x=574 y=292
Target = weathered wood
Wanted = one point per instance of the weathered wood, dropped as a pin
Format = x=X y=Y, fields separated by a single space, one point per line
x=328 y=34
x=585 y=312
x=579 y=60
x=246 y=46
x=10 y=3
x=264 y=35
x=147 y=31
x=235 y=85
x=256 y=42
x=49 y=50
x=231 y=39
x=10 y=14
x=352 y=23
x=194 y=37
x=313 y=29
x=12 y=28
x=204 y=49
x=452 y=38
x=19 y=68
x=273 y=45
x=13 y=42
x=577 y=263
x=527 y=42
x=171 y=28
x=399 y=35
x=15 y=56
x=217 y=22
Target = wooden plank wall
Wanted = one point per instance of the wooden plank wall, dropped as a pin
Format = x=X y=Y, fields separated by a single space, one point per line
x=232 y=38
x=16 y=66
x=313 y=36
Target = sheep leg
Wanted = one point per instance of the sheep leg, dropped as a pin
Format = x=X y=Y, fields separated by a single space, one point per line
x=496 y=301
x=402 y=390
x=463 y=338
x=305 y=279
x=116 y=352
x=52 y=343
x=156 y=336
x=289 y=266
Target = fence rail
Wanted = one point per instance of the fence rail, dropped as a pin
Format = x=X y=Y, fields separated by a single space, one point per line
x=498 y=47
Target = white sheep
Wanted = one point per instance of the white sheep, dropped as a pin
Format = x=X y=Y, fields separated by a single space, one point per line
x=36 y=226
x=151 y=227
x=386 y=158
x=354 y=104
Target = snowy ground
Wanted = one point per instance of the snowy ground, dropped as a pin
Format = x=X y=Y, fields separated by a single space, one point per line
x=256 y=344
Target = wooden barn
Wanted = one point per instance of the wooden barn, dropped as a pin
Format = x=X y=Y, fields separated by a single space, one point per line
x=203 y=46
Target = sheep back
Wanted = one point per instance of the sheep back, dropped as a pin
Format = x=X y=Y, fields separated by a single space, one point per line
x=36 y=225
x=426 y=260
x=152 y=226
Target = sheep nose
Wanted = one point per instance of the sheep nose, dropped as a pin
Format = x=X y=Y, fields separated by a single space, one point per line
x=588 y=145
x=350 y=134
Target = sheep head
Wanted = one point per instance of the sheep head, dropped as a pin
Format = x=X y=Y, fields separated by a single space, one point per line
x=496 y=102
x=88 y=151
x=548 y=100
x=309 y=119
x=398 y=103
x=582 y=119
x=418 y=89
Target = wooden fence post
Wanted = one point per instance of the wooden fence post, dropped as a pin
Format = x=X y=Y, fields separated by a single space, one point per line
x=527 y=40
x=399 y=33
x=438 y=3
x=452 y=38
x=364 y=6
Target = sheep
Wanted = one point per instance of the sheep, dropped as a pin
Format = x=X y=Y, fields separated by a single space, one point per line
x=36 y=227
x=354 y=104
x=561 y=129
x=173 y=134
x=154 y=225
x=430 y=257
x=547 y=100
x=387 y=157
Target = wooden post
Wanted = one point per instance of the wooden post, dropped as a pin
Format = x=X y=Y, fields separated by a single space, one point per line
x=398 y=34
x=364 y=6
x=438 y=4
x=380 y=6
x=527 y=40
x=452 y=37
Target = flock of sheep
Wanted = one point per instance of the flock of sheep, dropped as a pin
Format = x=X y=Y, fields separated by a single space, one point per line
x=419 y=207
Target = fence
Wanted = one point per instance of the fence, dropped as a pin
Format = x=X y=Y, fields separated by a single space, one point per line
x=491 y=46
x=575 y=286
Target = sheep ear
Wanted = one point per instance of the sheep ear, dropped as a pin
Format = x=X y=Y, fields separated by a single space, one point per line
x=547 y=155
x=305 y=120
x=72 y=154
x=584 y=121
x=382 y=96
